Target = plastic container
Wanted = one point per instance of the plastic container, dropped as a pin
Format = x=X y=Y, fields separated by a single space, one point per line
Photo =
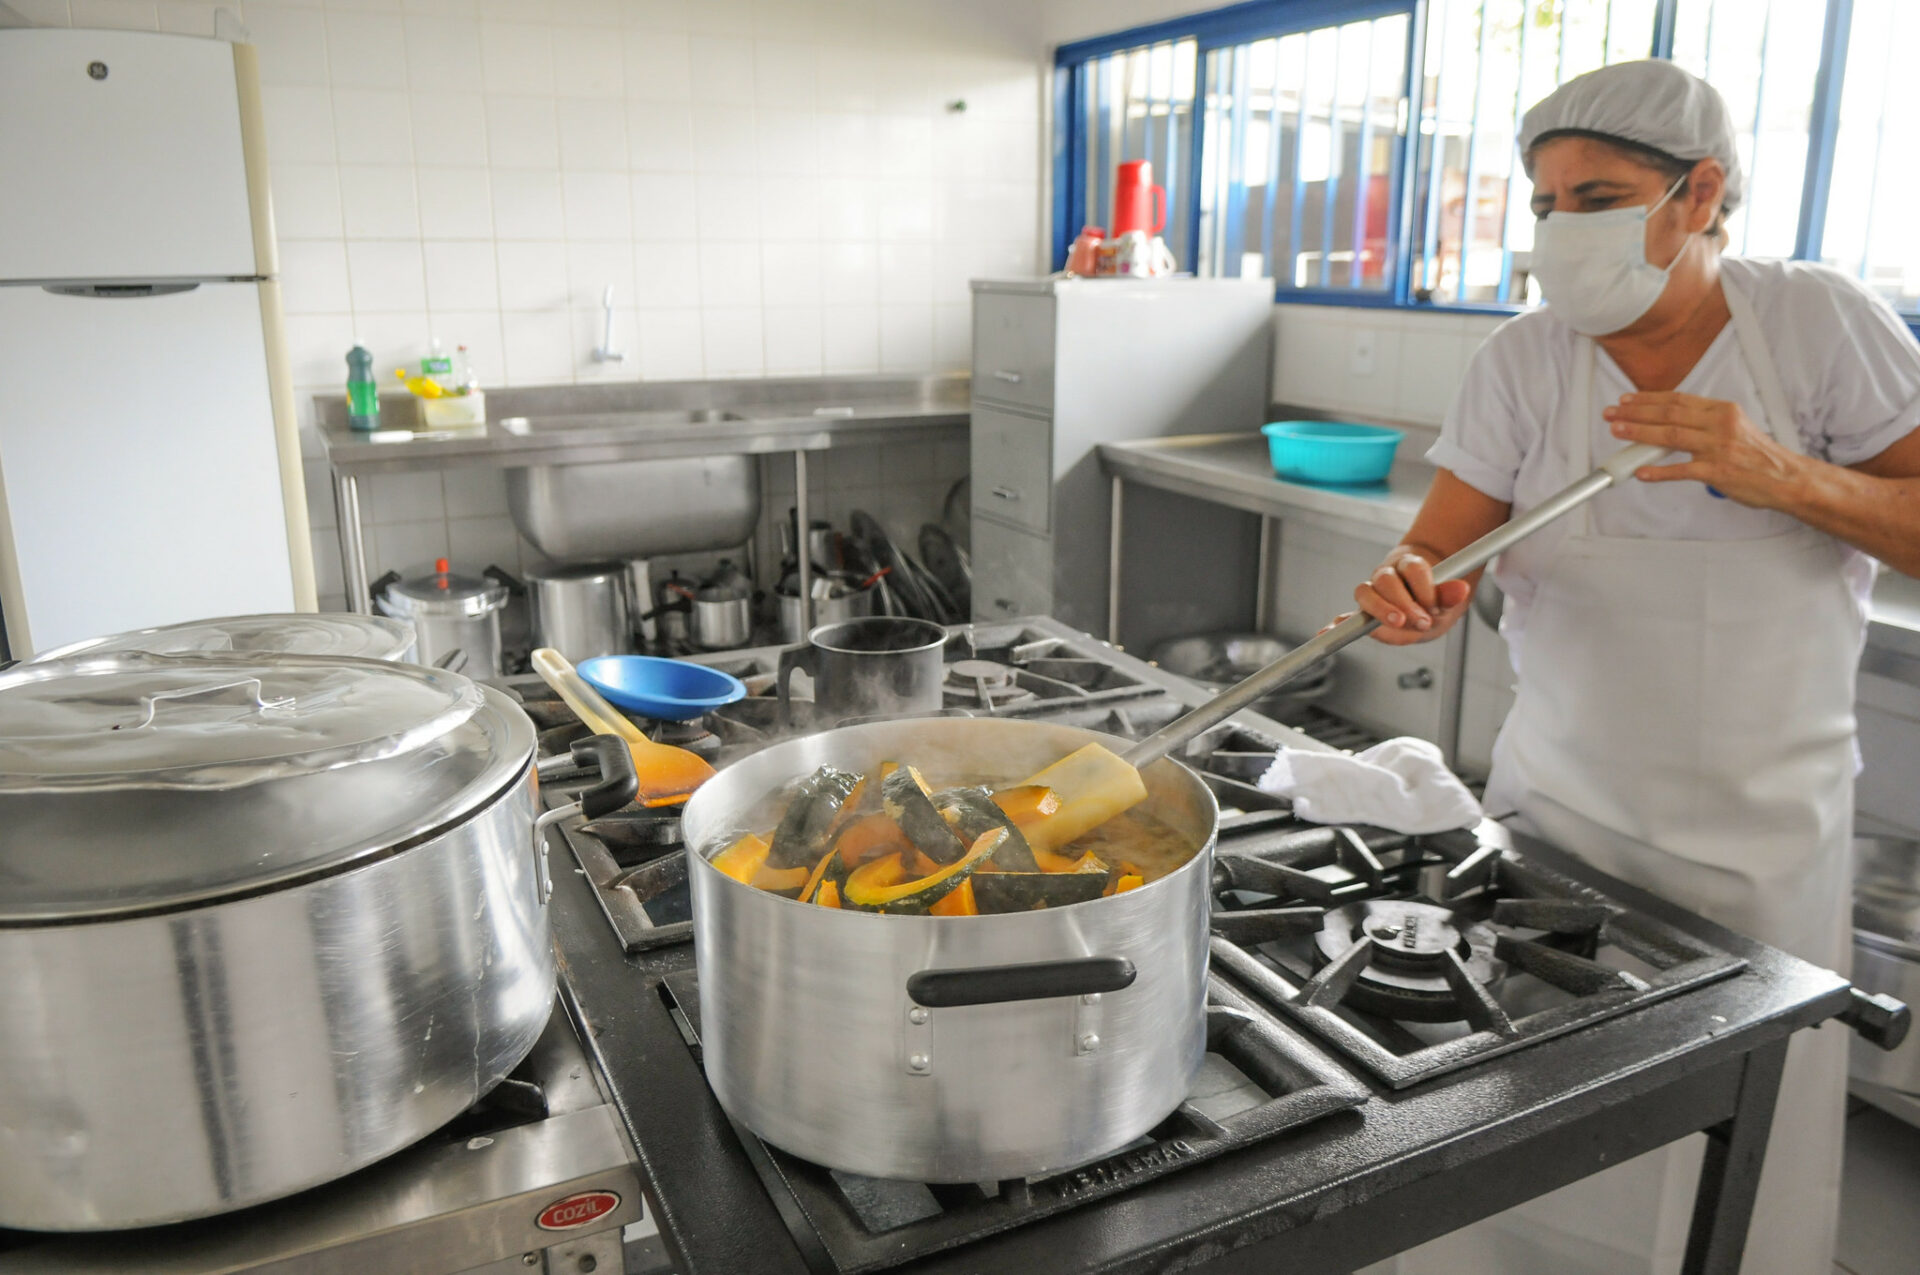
x=1334 y=453
x=363 y=396
x=670 y=690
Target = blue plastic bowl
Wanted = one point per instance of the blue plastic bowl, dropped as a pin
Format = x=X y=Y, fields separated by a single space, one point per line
x=1331 y=452
x=671 y=690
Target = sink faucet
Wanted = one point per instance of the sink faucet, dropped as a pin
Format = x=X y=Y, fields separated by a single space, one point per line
x=606 y=353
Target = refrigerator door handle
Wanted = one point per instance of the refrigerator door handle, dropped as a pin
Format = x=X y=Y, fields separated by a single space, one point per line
x=118 y=290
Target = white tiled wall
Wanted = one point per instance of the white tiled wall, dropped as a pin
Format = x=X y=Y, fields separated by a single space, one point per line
x=1416 y=363
x=771 y=187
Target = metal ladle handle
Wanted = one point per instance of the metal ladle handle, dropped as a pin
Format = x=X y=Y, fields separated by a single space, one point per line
x=1617 y=468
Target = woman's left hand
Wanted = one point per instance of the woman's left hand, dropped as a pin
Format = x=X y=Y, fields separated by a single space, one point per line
x=1728 y=451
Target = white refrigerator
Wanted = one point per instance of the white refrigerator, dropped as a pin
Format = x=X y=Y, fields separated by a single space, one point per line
x=149 y=458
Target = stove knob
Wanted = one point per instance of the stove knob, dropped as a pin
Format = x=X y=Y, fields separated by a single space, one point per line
x=1878 y=1018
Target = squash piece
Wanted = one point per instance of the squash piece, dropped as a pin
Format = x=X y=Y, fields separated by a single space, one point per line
x=780 y=880
x=1048 y=861
x=869 y=837
x=1026 y=891
x=905 y=796
x=959 y=903
x=743 y=858
x=973 y=813
x=1027 y=803
x=829 y=896
x=1127 y=881
x=820 y=870
x=867 y=890
x=801 y=838
x=876 y=874
x=1093 y=785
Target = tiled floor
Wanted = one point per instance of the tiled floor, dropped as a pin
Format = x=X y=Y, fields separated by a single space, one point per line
x=1879 y=1196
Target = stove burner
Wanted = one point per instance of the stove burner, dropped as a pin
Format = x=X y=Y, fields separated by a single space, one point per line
x=986 y=684
x=1409 y=957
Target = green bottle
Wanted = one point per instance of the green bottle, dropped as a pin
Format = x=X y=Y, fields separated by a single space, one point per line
x=363 y=396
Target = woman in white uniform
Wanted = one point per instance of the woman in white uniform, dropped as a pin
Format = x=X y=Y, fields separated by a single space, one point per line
x=1686 y=644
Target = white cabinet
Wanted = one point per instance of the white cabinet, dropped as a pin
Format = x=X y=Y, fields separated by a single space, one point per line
x=1060 y=366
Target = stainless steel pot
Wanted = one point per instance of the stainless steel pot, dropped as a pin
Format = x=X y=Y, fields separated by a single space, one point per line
x=452 y=616
x=844 y=599
x=880 y=666
x=262 y=923
x=580 y=609
x=947 y=1049
x=370 y=637
x=1886 y=950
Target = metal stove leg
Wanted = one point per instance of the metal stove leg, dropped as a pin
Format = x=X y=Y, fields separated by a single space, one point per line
x=1730 y=1174
x=353 y=550
x=1113 y=562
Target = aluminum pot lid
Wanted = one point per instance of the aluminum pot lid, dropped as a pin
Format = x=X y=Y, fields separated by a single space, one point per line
x=443 y=592
x=133 y=783
x=371 y=637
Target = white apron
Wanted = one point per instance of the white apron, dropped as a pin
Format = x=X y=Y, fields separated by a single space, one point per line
x=1685 y=722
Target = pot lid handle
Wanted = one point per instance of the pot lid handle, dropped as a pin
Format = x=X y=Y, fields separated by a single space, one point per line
x=250 y=686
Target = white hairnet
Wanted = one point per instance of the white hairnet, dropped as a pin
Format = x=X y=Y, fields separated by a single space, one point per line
x=1653 y=103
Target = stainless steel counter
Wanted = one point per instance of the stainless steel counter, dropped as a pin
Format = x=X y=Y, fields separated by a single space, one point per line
x=636 y=420
x=1234 y=470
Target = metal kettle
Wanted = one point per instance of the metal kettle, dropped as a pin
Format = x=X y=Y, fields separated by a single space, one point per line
x=722 y=616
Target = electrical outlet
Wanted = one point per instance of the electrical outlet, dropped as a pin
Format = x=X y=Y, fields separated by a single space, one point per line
x=1360 y=361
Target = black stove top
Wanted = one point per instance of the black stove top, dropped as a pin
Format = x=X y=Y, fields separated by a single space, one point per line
x=1375 y=998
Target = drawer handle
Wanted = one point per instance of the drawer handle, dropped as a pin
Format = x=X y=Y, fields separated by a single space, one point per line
x=1006 y=493
x=1006 y=604
x=1011 y=378
x=1420 y=679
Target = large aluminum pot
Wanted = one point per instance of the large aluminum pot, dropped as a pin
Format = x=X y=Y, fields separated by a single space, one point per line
x=262 y=922
x=893 y=1046
x=371 y=637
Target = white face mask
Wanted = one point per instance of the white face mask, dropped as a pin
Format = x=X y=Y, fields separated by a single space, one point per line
x=1593 y=267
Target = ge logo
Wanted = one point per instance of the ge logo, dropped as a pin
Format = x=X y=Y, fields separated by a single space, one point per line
x=98 y=70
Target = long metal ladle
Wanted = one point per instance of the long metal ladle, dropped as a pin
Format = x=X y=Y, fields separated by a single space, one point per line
x=1617 y=468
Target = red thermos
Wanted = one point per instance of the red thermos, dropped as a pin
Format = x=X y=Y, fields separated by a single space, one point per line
x=1138 y=204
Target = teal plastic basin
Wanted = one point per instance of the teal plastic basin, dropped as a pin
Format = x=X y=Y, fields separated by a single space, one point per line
x=1333 y=453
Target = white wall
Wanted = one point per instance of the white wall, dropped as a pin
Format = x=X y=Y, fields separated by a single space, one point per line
x=771 y=186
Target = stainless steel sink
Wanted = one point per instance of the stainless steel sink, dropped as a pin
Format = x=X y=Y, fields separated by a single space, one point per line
x=639 y=508
x=524 y=425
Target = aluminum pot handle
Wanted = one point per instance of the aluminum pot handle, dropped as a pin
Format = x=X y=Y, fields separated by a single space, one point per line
x=1042 y=980
x=804 y=656
x=618 y=785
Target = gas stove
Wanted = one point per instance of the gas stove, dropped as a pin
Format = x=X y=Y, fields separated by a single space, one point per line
x=1404 y=1034
x=1370 y=991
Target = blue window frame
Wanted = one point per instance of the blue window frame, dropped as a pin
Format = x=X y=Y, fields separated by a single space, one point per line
x=1275 y=162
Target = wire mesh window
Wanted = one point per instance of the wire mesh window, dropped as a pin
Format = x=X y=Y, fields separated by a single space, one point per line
x=1486 y=63
x=1137 y=104
x=1870 y=200
x=1304 y=135
x=1763 y=56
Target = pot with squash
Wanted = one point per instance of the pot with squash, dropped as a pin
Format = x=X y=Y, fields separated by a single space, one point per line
x=951 y=950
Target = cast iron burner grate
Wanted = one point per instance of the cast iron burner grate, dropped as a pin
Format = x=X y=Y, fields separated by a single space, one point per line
x=1261 y=1078
x=1417 y=956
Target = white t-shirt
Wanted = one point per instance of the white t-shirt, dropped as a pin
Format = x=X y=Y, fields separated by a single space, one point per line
x=1847 y=364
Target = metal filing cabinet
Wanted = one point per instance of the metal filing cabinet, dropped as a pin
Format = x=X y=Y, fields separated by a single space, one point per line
x=1062 y=365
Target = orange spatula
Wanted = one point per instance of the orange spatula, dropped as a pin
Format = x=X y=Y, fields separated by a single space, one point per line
x=667 y=775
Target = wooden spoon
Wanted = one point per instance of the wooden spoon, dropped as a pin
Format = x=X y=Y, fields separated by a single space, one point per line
x=667 y=775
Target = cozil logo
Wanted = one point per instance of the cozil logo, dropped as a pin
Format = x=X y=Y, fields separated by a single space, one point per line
x=577 y=1210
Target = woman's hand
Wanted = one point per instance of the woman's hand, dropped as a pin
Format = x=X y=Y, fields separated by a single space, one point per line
x=1411 y=608
x=1727 y=451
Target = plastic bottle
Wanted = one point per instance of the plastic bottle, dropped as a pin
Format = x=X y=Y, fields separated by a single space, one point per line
x=363 y=393
x=464 y=380
x=438 y=368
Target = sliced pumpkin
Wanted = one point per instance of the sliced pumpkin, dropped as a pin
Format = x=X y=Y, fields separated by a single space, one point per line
x=869 y=837
x=873 y=893
x=972 y=813
x=959 y=902
x=1028 y=802
x=1127 y=881
x=827 y=864
x=801 y=837
x=877 y=874
x=780 y=880
x=1048 y=861
x=829 y=896
x=743 y=858
x=1025 y=891
x=905 y=796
